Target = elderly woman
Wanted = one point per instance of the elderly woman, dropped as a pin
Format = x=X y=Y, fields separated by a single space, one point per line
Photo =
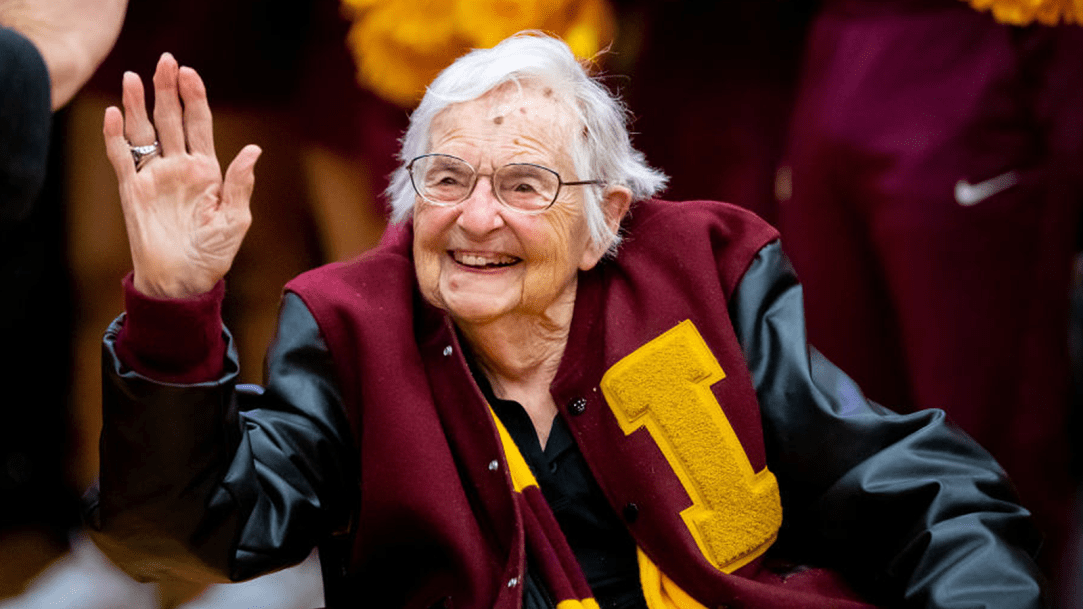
x=543 y=389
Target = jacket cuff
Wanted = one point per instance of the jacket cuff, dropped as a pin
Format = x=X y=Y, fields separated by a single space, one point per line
x=173 y=340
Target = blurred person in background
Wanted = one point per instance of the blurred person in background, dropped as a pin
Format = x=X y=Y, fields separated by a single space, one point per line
x=931 y=201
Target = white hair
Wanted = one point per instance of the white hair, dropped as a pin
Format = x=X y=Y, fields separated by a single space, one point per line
x=604 y=152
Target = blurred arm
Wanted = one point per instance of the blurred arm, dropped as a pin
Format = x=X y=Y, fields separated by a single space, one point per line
x=73 y=37
x=25 y=120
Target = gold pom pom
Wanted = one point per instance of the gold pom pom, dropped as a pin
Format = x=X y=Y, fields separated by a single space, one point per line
x=1026 y=12
x=400 y=46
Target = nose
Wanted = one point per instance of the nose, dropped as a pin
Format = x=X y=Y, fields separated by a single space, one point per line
x=481 y=212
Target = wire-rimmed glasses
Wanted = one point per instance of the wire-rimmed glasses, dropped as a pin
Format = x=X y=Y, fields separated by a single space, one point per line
x=445 y=180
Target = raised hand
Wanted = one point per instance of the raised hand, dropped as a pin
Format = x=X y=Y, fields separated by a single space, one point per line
x=184 y=222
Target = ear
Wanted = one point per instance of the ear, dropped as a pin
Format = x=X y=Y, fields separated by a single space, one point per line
x=615 y=204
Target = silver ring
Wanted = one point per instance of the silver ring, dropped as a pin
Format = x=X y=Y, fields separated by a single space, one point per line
x=142 y=154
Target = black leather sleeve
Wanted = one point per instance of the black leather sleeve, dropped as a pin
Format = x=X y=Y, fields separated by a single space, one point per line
x=211 y=482
x=912 y=509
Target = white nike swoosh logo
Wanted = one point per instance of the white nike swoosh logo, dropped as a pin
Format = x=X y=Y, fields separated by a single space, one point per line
x=967 y=194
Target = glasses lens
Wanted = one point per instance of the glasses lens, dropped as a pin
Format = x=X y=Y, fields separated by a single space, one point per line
x=442 y=179
x=526 y=187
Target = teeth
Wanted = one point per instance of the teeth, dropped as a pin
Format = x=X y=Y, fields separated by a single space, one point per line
x=478 y=260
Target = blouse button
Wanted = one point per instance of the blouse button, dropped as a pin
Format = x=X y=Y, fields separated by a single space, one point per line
x=513 y=582
x=447 y=351
x=494 y=465
x=577 y=406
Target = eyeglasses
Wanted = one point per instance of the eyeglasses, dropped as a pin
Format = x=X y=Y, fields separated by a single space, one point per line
x=445 y=180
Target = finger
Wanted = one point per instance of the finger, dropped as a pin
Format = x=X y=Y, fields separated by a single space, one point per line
x=116 y=146
x=167 y=107
x=240 y=178
x=197 y=112
x=137 y=127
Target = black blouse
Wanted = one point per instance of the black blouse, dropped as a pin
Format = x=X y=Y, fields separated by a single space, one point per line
x=598 y=537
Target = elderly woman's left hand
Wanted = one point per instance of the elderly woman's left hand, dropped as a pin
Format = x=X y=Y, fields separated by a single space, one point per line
x=185 y=222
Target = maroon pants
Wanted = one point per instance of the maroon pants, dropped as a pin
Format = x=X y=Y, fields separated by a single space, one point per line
x=929 y=293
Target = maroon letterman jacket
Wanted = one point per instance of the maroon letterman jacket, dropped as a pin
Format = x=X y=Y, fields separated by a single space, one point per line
x=372 y=441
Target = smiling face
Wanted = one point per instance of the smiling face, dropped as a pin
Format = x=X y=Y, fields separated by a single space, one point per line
x=480 y=260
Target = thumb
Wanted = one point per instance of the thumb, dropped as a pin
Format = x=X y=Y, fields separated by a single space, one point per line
x=241 y=177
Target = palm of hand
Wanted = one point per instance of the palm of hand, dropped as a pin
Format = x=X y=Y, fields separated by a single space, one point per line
x=176 y=218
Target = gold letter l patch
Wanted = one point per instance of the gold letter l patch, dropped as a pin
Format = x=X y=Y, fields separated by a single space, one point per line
x=665 y=386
